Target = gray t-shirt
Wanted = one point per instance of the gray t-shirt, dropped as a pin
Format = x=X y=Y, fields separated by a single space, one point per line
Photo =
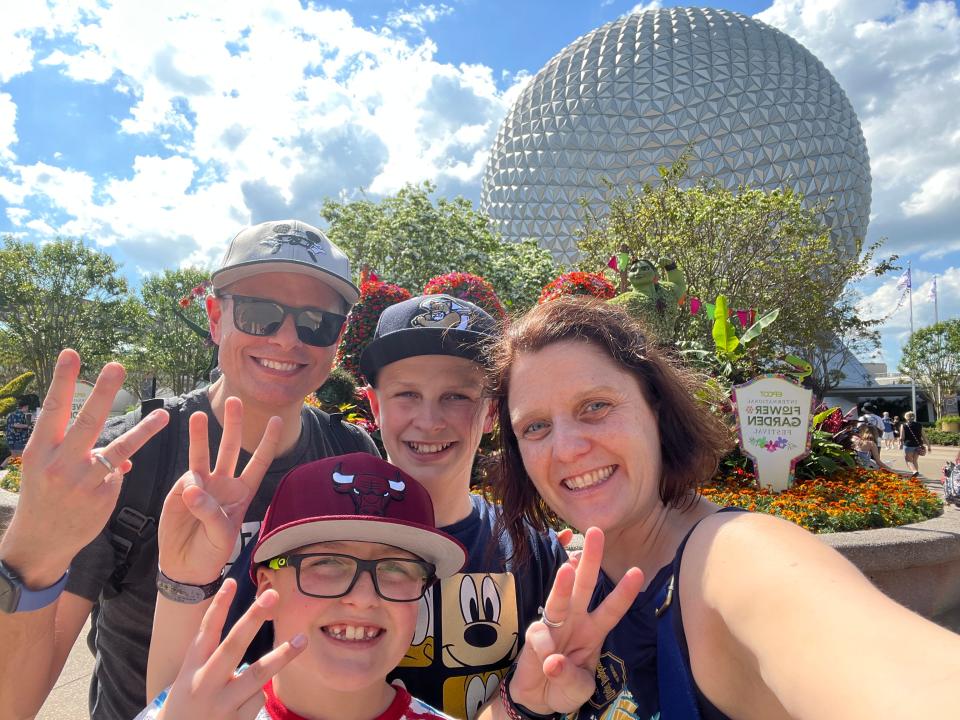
x=122 y=618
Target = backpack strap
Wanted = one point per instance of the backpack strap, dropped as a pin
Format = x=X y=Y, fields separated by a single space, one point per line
x=344 y=437
x=138 y=506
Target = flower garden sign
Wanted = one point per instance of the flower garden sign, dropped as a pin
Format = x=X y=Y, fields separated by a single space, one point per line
x=773 y=424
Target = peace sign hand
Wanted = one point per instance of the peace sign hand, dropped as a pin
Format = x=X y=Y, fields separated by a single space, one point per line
x=203 y=513
x=66 y=485
x=208 y=685
x=556 y=668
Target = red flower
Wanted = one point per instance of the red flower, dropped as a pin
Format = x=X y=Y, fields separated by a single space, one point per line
x=578 y=283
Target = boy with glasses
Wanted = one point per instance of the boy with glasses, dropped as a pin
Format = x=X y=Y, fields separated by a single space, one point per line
x=280 y=299
x=347 y=549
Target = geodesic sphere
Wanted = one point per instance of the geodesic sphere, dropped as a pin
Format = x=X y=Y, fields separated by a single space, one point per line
x=756 y=107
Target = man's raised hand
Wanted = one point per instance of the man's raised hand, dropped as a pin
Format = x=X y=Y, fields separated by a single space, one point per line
x=68 y=493
x=203 y=513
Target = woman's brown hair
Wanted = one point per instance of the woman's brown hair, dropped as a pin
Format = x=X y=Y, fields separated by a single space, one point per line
x=692 y=439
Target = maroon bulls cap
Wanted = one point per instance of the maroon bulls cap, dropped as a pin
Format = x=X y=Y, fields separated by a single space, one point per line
x=355 y=497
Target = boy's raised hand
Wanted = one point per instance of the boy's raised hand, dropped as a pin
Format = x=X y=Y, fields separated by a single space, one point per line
x=67 y=485
x=556 y=667
x=203 y=513
x=208 y=685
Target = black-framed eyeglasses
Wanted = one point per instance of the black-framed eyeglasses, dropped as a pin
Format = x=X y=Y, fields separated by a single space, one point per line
x=256 y=316
x=333 y=575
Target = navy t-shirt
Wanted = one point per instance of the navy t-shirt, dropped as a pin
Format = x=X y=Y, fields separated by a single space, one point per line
x=469 y=626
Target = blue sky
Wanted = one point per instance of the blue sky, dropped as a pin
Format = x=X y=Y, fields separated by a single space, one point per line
x=155 y=130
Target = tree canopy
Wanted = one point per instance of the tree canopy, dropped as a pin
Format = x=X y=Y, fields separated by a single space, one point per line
x=762 y=250
x=932 y=358
x=411 y=237
x=62 y=294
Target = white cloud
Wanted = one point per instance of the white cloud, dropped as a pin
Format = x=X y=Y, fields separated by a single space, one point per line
x=266 y=110
x=892 y=305
x=418 y=17
x=644 y=6
x=900 y=66
x=939 y=192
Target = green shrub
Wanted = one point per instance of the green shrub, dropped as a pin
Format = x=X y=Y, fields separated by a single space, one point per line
x=939 y=437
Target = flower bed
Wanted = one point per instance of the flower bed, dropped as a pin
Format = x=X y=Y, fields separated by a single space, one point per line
x=11 y=479
x=853 y=499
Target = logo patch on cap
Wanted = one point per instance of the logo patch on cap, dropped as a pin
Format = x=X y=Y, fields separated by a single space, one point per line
x=371 y=494
x=284 y=234
x=443 y=312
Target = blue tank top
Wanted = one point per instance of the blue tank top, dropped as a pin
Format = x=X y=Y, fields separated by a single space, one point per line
x=627 y=678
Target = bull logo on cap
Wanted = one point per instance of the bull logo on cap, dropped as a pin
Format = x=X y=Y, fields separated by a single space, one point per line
x=295 y=237
x=371 y=494
x=443 y=312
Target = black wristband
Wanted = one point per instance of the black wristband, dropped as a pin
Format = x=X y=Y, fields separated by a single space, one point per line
x=187 y=594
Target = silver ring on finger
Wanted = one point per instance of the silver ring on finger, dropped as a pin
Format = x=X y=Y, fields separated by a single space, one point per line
x=547 y=621
x=102 y=459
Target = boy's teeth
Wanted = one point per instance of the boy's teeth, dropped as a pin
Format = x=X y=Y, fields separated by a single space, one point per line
x=588 y=479
x=353 y=632
x=425 y=448
x=276 y=365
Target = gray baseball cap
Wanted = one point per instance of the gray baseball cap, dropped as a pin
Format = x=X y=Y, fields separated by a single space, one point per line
x=286 y=246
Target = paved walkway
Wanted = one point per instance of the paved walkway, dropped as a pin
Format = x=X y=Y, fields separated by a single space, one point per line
x=68 y=701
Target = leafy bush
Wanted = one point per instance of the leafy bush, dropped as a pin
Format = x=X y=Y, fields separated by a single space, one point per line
x=375 y=295
x=578 y=283
x=13 y=390
x=339 y=388
x=939 y=437
x=466 y=286
x=11 y=479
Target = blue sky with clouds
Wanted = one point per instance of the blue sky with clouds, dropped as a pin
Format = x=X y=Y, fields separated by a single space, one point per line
x=155 y=130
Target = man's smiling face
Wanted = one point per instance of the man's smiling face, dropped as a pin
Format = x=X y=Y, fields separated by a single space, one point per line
x=277 y=370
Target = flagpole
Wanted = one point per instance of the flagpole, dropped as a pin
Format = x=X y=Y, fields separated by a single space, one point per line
x=913 y=382
x=936 y=314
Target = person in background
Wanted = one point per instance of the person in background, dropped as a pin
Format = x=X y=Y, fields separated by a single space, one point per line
x=889 y=436
x=17 y=430
x=866 y=450
x=913 y=442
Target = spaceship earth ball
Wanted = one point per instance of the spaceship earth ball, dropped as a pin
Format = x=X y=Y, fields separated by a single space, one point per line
x=754 y=105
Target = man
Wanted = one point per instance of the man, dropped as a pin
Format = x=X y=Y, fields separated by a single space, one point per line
x=280 y=301
x=426 y=390
x=17 y=430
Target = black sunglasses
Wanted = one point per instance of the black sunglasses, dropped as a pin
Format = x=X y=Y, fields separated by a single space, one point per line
x=256 y=316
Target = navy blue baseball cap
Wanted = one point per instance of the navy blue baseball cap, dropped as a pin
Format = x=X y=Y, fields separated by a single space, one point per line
x=428 y=325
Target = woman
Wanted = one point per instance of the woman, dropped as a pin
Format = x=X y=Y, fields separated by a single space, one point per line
x=598 y=427
x=912 y=440
x=866 y=450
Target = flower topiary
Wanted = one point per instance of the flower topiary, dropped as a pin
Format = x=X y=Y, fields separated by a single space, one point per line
x=375 y=295
x=578 y=283
x=466 y=286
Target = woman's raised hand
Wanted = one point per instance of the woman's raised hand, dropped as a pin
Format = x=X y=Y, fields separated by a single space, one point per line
x=203 y=513
x=556 y=668
x=208 y=685
x=69 y=489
